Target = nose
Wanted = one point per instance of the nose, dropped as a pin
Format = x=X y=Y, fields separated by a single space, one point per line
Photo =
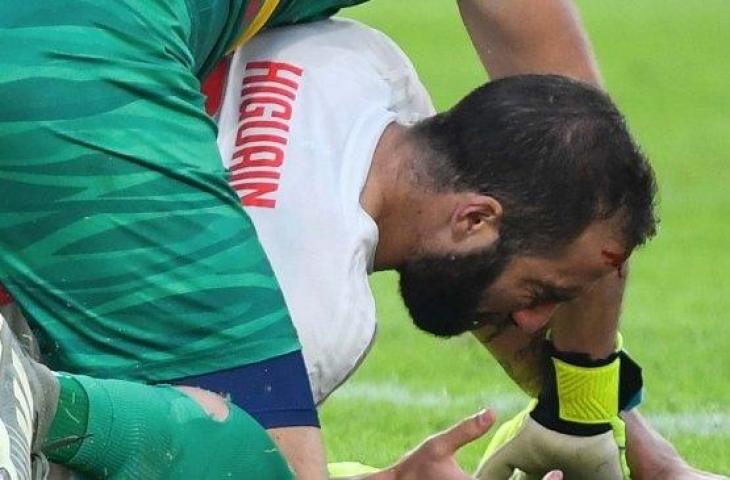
x=533 y=319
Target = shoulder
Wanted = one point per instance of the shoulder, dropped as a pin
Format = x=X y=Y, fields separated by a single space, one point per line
x=329 y=47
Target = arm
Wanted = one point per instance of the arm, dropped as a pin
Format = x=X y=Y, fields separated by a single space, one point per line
x=541 y=36
x=587 y=325
x=434 y=458
x=303 y=449
x=529 y=36
x=649 y=455
x=546 y=36
x=519 y=353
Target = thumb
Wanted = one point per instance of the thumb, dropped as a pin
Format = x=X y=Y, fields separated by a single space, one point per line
x=554 y=475
x=468 y=430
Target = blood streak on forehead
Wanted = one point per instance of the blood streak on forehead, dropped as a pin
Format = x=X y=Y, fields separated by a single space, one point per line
x=616 y=260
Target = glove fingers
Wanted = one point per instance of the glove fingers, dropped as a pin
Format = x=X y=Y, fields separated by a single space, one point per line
x=537 y=450
x=503 y=464
x=513 y=447
x=508 y=430
x=495 y=470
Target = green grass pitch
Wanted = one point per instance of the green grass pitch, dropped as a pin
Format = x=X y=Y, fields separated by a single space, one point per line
x=667 y=64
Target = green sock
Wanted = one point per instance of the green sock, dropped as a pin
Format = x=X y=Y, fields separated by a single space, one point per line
x=139 y=432
x=70 y=422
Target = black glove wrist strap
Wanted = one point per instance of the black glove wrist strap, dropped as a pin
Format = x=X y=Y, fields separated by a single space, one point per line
x=548 y=409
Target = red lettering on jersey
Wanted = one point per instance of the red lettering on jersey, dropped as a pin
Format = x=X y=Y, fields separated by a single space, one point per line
x=264 y=124
x=248 y=175
x=258 y=156
x=273 y=72
x=260 y=138
x=268 y=92
x=255 y=193
x=5 y=298
x=268 y=89
x=266 y=107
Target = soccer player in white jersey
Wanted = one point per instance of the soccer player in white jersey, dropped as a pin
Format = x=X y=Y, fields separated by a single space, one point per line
x=515 y=200
x=521 y=197
x=322 y=129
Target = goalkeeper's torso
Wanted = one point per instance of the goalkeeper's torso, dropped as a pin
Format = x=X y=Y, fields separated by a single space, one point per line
x=298 y=11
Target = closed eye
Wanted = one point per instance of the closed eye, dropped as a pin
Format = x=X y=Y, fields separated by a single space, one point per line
x=542 y=293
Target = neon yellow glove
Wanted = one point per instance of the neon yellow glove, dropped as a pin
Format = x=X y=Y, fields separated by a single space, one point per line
x=524 y=449
x=349 y=469
x=573 y=426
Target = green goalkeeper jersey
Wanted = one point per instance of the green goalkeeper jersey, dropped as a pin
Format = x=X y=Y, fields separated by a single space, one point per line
x=119 y=236
x=298 y=11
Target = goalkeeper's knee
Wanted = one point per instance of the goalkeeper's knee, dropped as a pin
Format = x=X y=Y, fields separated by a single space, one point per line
x=141 y=432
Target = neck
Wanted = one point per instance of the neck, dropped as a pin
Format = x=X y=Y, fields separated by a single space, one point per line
x=390 y=199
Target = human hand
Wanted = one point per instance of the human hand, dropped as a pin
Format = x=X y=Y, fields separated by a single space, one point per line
x=527 y=449
x=685 y=472
x=652 y=457
x=435 y=457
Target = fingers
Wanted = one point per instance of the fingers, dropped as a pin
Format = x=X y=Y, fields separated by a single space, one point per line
x=554 y=475
x=468 y=430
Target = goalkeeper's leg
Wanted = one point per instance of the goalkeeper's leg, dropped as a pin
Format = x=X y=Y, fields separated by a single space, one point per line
x=125 y=430
x=119 y=429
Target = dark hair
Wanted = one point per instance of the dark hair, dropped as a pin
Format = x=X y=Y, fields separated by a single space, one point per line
x=555 y=152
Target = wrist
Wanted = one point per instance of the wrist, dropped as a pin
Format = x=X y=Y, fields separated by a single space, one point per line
x=671 y=466
x=582 y=396
x=650 y=457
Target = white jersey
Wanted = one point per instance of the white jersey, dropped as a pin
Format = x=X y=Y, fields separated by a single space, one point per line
x=303 y=110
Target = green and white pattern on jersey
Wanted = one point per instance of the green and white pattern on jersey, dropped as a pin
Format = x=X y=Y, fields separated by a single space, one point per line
x=119 y=235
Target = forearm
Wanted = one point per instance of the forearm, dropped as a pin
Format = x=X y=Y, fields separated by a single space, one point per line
x=649 y=456
x=520 y=354
x=529 y=36
x=589 y=324
x=303 y=449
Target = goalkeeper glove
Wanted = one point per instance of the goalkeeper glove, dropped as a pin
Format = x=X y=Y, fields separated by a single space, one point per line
x=573 y=425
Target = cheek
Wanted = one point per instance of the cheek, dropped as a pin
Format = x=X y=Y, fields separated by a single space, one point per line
x=499 y=299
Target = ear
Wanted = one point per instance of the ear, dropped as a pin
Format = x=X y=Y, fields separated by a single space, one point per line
x=476 y=220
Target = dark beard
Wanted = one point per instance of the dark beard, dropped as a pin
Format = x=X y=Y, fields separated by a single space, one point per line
x=443 y=292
